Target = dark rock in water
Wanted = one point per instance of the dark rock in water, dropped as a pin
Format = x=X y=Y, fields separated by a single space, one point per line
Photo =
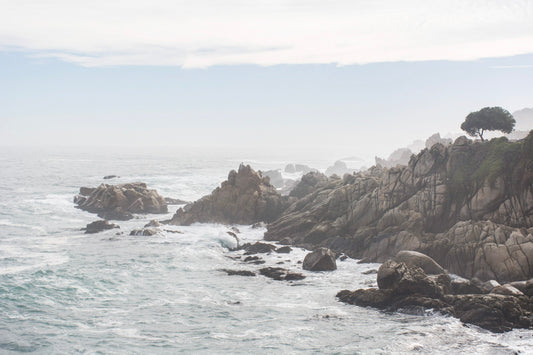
x=405 y=287
x=175 y=201
x=284 y=250
x=121 y=201
x=413 y=258
x=251 y=258
x=280 y=274
x=110 y=177
x=245 y=198
x=235 y=229
x=257 y=248
x=322 y=259
x=145 y=232
x=238 y=272
x=99 y=226
x=343 y=257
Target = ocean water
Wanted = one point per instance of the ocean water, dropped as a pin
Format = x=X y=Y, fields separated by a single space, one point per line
x=64 y=292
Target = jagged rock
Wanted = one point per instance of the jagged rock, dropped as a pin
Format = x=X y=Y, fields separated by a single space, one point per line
x=413 y=258
x=120 y=201
x=308 y=184
x=99 y=226
x=257 y=248
x=468 y=205
x=175 y=201
x=245 y=198
x=145 y=232
x=322 y=259
x=238 y=272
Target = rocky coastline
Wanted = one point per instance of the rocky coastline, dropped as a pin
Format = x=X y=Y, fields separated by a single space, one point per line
x=467 y=205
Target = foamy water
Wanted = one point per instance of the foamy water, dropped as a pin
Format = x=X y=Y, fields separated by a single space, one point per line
x=62 y=291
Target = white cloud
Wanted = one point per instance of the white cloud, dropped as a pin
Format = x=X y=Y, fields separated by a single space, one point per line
x=202 y=33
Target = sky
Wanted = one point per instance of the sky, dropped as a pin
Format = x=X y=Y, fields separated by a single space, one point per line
x=355 y=77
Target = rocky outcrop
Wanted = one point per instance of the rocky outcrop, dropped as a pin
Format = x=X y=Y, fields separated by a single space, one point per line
x=99 y=226
x=119 y=202
x=245 y=198
x=468 y=205
x=321 y=259
x=398 y=157
x=408 y=287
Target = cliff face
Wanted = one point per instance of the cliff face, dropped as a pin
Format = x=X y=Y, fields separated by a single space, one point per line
x=468 y=205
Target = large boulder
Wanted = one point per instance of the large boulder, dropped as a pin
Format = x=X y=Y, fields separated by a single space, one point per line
x=322 y=259
x=414 y=258
x=245 y=198
x=119 y=202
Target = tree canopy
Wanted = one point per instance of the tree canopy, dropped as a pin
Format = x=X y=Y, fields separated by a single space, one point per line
x=488 y=119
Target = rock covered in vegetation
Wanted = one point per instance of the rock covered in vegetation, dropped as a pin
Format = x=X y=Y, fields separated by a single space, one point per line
x=406 y=287
x=99 y=226
x=468 y=205
x=119 y=202
x=245 y=198
x=322 y=259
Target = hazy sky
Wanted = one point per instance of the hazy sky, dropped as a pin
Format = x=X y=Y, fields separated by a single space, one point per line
x=361 y=77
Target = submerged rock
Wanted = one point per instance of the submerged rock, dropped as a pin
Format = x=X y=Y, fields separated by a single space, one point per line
x=245 y=198
x=257 y=248
x=322 y=259
x=99 y=226
x=120 y=201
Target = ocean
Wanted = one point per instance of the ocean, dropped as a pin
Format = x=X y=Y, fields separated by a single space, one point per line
x=65 y=292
